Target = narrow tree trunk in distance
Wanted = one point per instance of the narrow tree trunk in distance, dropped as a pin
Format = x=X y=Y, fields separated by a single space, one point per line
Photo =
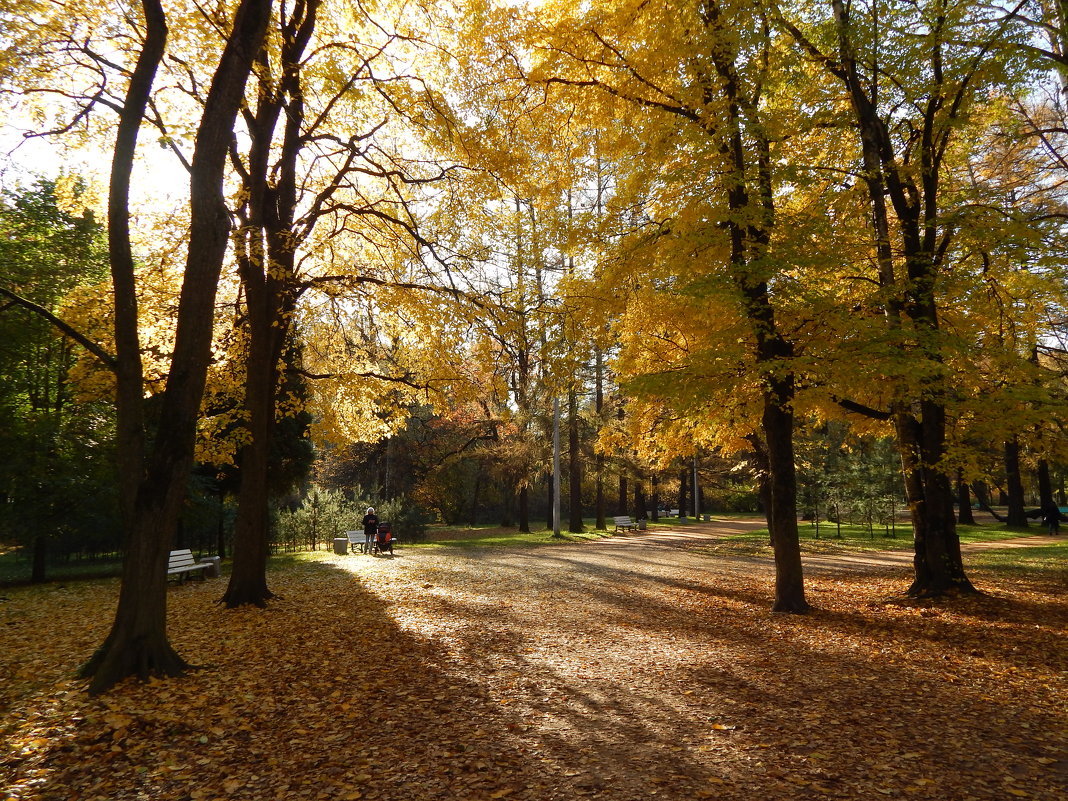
x=982 y=497
x=552 y=501
x=574 y=463
x=38 y=571
x=964 y=502
x=682 y=494
x=599 y=502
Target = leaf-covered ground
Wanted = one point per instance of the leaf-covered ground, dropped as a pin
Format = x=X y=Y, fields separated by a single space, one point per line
x=634 y=668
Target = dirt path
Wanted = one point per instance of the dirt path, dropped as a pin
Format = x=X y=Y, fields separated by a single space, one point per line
x=697 y=535
x=640 y=667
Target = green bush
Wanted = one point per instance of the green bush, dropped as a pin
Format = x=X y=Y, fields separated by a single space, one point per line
x=409 y=520
x=321 y=516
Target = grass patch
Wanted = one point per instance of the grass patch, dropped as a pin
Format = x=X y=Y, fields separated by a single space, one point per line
x=830 y=539
x=1045 y=561
x=499 y=537
x=16 y=568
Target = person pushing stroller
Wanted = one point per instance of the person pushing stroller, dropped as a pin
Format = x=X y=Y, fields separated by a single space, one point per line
x=370 y=529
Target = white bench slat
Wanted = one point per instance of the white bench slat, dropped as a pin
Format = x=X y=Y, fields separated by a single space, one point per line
x=182 y=561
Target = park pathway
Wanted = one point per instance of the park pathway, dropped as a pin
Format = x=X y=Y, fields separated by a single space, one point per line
x=697 y=536
x=648 y=666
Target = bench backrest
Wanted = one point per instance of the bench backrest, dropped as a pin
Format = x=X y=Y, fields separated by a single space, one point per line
x=622 y=518
x=180 y=558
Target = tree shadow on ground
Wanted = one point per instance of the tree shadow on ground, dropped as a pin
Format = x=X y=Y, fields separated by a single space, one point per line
x=695 y=674
x=544 y=675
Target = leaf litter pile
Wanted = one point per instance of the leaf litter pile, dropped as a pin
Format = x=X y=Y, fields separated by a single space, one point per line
x=606 y=670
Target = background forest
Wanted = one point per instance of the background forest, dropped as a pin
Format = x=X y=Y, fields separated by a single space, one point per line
x=807 y=259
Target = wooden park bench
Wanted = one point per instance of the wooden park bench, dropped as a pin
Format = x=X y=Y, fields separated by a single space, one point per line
x=624 y=523
x=181 y=563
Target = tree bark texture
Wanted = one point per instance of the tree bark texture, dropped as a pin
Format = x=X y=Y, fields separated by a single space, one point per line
x=1017 y=515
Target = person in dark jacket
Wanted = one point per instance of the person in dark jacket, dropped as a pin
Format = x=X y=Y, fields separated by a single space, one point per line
x=1052 y=517
x=370 y=528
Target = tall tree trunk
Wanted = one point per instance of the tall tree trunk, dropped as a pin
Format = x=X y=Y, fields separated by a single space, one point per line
x=137 y=643
x=599 y=501
x=524 y=508
x=153 y=490
x=1045 y=485
x=248 y=576
x=656 y=496
x=266 y=247
x=574 y=466
x=778 y=426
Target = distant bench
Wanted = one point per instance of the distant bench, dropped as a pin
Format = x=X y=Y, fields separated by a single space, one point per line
x=181 y=563
x=624 y=523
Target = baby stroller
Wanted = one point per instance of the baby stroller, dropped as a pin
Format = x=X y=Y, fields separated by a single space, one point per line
x=383 y=542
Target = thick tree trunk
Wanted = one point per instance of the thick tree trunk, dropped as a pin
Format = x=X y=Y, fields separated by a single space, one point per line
x=938 y=567
x=778 y=426
x=656 y=496
x=1045 y=485
x=1017 y=515
x=524 y=508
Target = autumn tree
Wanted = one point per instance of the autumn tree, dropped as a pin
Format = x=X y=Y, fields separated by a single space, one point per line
x=709 y=112
x=58 y=448
x=153 y=466
x=909 y=98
